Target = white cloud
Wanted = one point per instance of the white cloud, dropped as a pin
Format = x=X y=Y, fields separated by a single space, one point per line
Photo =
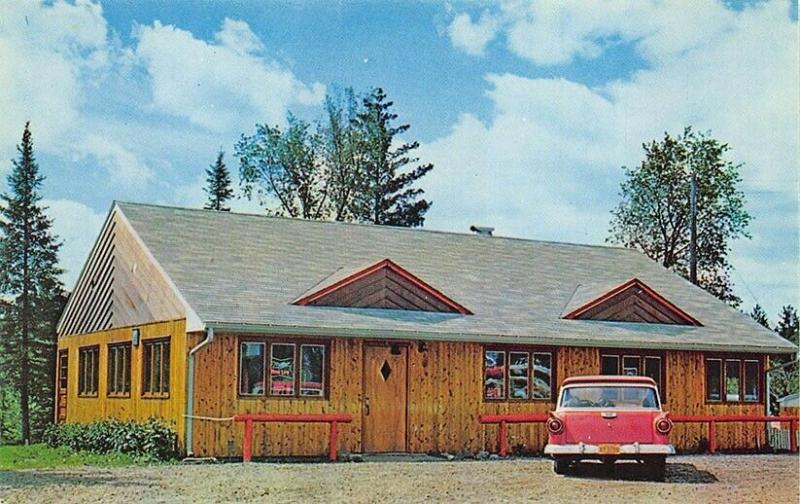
x=546 y=162
x=77 y=226
x=472 y=37
x=123 y=166
x=46 y=54
x=220 y=86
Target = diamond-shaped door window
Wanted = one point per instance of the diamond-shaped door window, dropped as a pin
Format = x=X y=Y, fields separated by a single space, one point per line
x=386 y=370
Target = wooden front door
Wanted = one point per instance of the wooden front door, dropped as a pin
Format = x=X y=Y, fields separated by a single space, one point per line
x=384 y=406
x=63 y=373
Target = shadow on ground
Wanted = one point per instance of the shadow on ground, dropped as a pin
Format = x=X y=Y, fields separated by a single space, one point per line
x=675 y=473
x=39 y=478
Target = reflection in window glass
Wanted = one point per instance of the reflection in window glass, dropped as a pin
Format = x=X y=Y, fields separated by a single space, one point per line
x=751 y=380
x=652 y=369
x=732 y=380
x=542 y=375
x=714 y=380
x=518 y=375
x=312 y=366
x=609 y=365
x=251 y=369
x=494 y=370
x=282 y=369
x=630 y=365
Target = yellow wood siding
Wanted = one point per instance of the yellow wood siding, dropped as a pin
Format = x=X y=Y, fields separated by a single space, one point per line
x=135 y=407
x=445 y=398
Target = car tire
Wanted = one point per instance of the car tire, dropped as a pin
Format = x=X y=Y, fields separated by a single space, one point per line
x=657 y=467
x=561 y=465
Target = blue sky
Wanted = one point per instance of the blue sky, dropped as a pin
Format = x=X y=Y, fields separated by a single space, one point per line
x=527 y=109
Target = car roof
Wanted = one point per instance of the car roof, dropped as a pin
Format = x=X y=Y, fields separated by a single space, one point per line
x=642 y=380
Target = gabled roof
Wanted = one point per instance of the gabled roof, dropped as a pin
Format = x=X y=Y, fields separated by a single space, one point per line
x=632 y=301
x=383 y=284
x=242 y=272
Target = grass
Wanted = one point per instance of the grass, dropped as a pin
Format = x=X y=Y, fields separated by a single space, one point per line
x=41 y=456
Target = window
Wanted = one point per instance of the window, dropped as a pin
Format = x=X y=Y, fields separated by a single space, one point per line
x=312 y=370
x=525 y=375
x=294 y=369
x=634 y=364
x=252 y=359
x=713 y=379
x=155 y=368
x=88 y=365
x=733 y=380
x=119 y=370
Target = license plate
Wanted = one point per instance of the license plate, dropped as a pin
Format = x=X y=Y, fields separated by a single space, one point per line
x=608 y=449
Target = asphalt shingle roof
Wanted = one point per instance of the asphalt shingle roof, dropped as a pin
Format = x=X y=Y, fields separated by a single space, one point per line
x=245 y=270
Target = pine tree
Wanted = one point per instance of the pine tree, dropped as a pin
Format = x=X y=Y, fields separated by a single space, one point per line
x=29 y=281
x=759 y=315
x=788 y=325
x=219 y=185
x=386 y=195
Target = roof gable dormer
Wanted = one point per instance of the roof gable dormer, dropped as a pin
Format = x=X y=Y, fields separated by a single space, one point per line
x=633 y=301
x=383 y=284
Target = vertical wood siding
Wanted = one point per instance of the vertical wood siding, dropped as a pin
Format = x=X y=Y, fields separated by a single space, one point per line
x=445 y=398
x=134 y=407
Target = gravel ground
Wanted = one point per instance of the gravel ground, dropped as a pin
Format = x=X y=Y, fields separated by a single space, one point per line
x=719 y=478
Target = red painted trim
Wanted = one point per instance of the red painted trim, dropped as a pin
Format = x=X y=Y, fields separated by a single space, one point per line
x=385 y=263
x=634 y=282
x=330 y=418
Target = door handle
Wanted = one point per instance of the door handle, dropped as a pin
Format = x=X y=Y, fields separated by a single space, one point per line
x=366 y=406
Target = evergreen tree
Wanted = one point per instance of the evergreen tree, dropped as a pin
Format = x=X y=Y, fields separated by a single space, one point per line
x=385 y=194
x=219 y=185
x=654 y=214
x=29 y=282
x=759 y=315
x=788 y=325
x=343 y=159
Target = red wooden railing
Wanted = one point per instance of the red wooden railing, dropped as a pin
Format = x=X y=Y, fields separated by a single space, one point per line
x=713 y=420
x=332 y=419
x=504 y=420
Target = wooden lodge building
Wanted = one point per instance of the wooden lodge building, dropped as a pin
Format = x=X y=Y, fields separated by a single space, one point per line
x=187 y=314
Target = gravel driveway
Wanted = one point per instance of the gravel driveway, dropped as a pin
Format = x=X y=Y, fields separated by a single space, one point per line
x=719 y=478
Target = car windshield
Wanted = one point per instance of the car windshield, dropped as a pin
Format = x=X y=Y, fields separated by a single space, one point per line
x=609 y=396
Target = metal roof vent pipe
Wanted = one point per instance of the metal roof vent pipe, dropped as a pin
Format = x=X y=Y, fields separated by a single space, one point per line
x=482 y=230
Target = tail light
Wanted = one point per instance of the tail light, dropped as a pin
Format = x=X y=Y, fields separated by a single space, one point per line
x=555 y=425
x=663 y=425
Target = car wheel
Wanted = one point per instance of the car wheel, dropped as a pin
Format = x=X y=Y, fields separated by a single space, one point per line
x=656 y=468
x=561 y=465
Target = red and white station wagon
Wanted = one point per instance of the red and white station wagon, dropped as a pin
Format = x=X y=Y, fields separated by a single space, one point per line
x=609 y=418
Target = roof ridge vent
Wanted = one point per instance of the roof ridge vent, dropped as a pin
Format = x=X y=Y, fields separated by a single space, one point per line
x=482 y=230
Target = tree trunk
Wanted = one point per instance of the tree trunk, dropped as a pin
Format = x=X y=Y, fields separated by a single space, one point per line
x=24 y=391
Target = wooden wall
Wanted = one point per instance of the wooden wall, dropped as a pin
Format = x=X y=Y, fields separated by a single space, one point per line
x=444 y=402
x=135 y=407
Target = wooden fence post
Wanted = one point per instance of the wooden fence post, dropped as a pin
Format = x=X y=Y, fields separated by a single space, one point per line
x=503 y=438
x=712 y=437
x=247 y=449
x=332 y=441
x=793 y=436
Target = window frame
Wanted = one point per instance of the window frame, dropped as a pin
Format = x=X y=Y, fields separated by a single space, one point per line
x=268 y=341
x=95 y=378
x=150 y=342
x=621 y=353
x=743 y=359
x=264 y=355
x=126 y=370
x=531 y=350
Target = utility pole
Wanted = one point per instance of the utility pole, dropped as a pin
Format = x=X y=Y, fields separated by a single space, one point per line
x=693 y=225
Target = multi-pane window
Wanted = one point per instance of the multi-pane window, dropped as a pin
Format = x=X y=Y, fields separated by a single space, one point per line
x=88 y=366
x=633 y=364
x=155 y=368
x=517 y=374
x=119 y=370
x=733 y=379
x=292 y=369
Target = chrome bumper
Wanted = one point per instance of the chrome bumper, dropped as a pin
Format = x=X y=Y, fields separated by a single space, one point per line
x=624 y=449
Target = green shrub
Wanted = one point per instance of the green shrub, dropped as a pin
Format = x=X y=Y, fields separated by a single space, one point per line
x=151 y=439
